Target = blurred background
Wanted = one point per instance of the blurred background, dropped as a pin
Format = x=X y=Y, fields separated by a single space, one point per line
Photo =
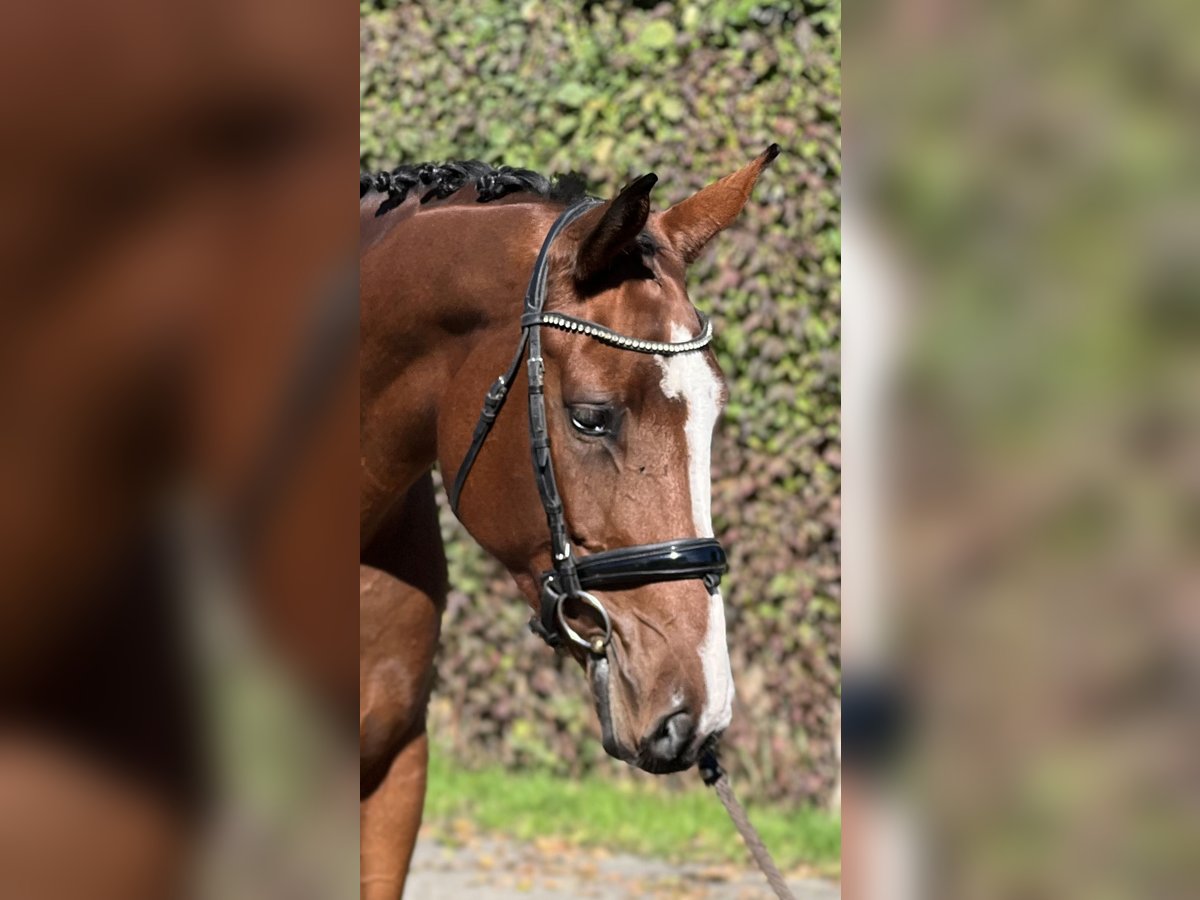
x=1022 y=386
x=691 y=92
x=178 y=436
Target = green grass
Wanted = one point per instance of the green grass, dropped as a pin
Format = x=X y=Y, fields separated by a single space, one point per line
x=641 y=818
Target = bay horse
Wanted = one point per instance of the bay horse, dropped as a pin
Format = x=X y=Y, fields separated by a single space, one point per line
x=608 y=534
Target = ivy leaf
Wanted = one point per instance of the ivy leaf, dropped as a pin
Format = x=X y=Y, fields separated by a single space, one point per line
x=658 y=35
x=565 y=125
x=572 y=94
x=672 y=109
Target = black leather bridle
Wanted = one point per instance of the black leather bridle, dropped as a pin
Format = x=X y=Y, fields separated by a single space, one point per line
x=621 y=569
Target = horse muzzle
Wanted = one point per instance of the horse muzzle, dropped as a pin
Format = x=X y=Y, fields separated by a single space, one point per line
x=671 y=745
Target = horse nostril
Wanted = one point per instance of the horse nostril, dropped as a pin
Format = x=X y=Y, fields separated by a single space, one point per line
x=668 y=743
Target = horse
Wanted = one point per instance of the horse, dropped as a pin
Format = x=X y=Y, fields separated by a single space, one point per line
x=608 y=534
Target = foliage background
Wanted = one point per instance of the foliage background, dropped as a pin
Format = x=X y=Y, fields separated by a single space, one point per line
x=690 y=91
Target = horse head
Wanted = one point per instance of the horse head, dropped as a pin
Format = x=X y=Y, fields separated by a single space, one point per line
x=629 y=437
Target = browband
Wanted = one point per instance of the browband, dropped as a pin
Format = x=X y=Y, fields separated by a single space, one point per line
x=624 y=342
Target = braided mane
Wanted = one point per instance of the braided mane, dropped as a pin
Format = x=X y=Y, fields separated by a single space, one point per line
x=437 y=181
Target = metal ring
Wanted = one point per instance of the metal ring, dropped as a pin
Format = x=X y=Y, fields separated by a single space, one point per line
x=596 y=645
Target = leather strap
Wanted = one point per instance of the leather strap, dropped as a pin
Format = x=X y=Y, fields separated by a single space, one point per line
x=493 y=402
x=539 y=431
x=631 y=567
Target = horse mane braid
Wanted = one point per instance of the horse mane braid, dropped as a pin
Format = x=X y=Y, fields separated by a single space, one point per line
x=437 y=181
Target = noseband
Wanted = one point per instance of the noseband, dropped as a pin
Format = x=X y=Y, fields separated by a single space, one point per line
x=574 y=576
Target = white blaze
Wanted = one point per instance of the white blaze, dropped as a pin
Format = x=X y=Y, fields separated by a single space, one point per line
x=689 y=377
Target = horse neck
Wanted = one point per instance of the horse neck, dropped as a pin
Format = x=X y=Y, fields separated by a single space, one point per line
x=371 y=226
x=435 y=283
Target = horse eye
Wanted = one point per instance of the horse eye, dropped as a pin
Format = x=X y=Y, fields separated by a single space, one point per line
x=591 y=420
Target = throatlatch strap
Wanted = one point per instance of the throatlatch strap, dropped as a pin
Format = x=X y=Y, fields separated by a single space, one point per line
x=493 y=402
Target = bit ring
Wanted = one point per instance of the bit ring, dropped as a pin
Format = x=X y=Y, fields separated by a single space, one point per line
x=597 y=644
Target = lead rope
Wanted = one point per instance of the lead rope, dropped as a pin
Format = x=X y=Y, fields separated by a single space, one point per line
x=714 y=776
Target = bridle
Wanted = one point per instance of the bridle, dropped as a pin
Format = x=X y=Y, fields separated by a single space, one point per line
x=573 y=577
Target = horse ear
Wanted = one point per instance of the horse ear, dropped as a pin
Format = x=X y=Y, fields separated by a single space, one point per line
x=622 y=220
x=692 y=223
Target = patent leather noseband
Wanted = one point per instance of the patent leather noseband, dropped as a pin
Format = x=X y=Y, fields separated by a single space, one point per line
x=574 y=577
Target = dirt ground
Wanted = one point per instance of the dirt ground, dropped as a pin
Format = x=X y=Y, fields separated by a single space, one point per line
x=501 y=869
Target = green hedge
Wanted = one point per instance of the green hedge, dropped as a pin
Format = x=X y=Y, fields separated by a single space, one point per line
x=690 y=91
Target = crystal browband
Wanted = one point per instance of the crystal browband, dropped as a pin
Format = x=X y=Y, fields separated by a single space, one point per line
x=616 y=339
